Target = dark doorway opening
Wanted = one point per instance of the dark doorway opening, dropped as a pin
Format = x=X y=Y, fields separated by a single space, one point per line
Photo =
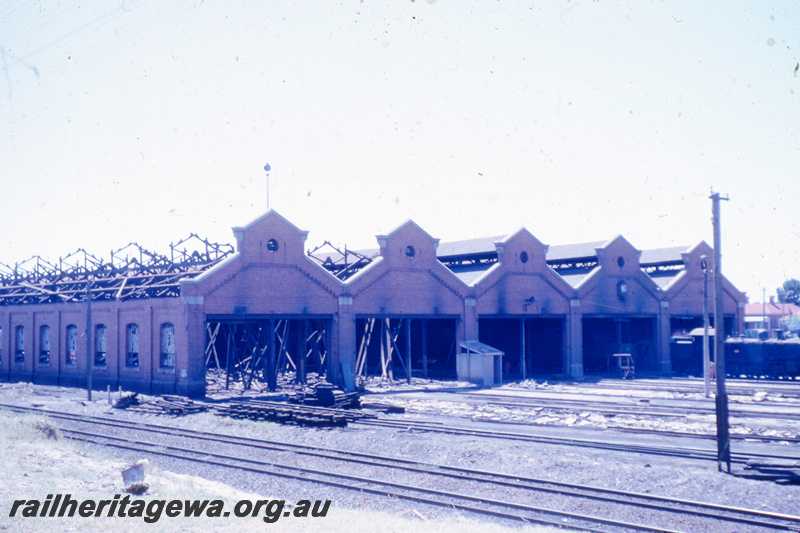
x=402 y=347
x=605 y=336
x=541 y=339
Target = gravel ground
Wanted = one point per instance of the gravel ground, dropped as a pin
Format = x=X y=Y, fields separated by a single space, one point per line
x=663 y=476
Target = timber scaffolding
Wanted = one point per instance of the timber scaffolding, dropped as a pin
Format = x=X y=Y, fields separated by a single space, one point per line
x=132 y=273
x=247 y=352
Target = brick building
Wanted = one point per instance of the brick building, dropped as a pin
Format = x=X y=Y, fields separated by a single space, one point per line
x=401 y=309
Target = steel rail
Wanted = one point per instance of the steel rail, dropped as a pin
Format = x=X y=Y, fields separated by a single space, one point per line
x=609 y=495
x=688 y=453
x=739 y=386
x=618 y=408
x=666 y=433
x=353 y=482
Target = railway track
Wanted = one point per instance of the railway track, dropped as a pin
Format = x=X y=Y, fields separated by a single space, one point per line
x=744 y=387
x=672 y=451
x=663 y=433
x=653 y=513
x=655 y=407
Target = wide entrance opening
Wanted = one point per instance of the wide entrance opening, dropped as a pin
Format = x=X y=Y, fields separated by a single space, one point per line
x=259 y=351
x=532 y=346
x=605 y=336
x=402 y=347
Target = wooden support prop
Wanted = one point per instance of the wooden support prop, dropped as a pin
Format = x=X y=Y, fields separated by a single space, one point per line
x=360 y=351
x=227 y=360
x=522 y=347
x=408 y=350
x=272 y=377
x=302 y=354
x=384 y=348
x=323 y=340
x=395 y=347
x=369 y=325
x=326 y=362
x=211 y=348
x=284 y=350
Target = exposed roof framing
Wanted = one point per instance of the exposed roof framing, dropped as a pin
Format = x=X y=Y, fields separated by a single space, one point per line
x=342 y=264
x=666 y=268
x=574 y=265
x=469 y=262
x=133 y=273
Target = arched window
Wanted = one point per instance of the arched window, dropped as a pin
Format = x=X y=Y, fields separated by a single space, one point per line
x=19 y=342
x=72 y=345
x=132 y=346
x=44 y=345
x=167 y=346
x=100 y=345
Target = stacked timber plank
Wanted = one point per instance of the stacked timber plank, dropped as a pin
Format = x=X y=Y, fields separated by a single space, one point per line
x=326 y=395
x=164 y=405
x=304 y=415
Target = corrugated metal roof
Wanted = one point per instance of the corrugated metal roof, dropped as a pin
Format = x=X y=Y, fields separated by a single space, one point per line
x=468 y=247
x=571 y=251
x=555 y=253
x=661 y=255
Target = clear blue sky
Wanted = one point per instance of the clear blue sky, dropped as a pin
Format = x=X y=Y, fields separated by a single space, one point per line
x=145 y=120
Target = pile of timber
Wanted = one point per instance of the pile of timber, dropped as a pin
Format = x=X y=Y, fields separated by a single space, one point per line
x=164 y=405
x=326 y=395
x=303 y=415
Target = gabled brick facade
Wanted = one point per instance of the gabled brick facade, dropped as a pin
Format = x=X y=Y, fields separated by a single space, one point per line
x=552 y=316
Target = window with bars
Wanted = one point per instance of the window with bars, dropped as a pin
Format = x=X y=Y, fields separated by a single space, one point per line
x=72 y=345
x=132 y=346
x=167 y=346
x=44 y=345
x=100 y=345
x=19 y=342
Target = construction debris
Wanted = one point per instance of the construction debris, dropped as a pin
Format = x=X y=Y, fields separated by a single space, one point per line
x=133 y=478
x=326 y=395
x=135 y=474
x=165 y=405
x=295 y=414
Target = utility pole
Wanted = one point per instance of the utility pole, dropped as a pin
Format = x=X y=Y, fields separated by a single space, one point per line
x=723 y=434
x=706 y=354
x=89 y=350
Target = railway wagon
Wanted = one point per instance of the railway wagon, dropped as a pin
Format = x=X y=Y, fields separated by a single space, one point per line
x=763 y=359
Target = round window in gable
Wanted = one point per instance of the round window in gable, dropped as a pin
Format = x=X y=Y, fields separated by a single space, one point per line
x=523 y=257
x=621 y=261
x=410 y=252
x=272 y=245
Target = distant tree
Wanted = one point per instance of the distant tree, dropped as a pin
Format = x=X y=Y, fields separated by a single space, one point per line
x=790 y=292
